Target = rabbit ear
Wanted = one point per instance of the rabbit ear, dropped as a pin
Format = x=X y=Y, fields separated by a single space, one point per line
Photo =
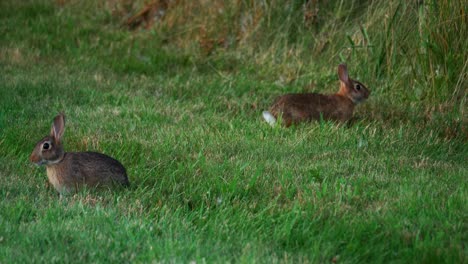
x=58 y=127
x=343 y=73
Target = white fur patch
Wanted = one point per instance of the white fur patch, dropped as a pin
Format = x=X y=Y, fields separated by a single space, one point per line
x=269 y=118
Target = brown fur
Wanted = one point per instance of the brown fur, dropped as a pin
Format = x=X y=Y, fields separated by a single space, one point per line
x=297 y=108
x=69 y=171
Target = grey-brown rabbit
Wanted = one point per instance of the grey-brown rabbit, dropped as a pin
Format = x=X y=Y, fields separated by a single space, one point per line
x=296 y=108
x=68 y=171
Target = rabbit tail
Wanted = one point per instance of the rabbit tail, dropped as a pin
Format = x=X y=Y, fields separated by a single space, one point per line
x=269 y=118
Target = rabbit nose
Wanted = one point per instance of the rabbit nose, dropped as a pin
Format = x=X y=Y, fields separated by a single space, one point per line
x=34 y=158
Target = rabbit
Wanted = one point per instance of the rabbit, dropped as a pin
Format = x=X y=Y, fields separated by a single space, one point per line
x=68 y=171
x=296 y=108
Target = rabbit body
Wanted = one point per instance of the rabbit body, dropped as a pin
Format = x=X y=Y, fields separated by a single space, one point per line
x=86 y=168
x=69 y=171
x=296 y=107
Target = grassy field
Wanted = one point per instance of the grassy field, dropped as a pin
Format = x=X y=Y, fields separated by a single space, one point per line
x=179 y=104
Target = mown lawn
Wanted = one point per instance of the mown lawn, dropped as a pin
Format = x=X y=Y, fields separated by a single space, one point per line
x=212 y=182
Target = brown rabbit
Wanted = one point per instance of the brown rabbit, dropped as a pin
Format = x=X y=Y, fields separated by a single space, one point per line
x=296 y=108
x=68 y=171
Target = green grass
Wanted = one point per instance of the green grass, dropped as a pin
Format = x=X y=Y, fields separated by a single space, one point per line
x=211 y=182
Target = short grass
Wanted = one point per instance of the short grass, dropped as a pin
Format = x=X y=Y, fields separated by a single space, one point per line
x=211 y=182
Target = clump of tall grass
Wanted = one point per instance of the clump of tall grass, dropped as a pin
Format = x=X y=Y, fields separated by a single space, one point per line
x=413 y=53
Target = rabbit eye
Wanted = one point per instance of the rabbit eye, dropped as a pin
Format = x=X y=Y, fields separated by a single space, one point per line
x=358 y=87
x=46 y=146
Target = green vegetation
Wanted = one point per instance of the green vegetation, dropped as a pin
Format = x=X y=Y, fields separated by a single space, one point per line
x=179 y=105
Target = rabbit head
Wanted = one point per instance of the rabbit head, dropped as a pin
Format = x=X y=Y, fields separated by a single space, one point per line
x=49 y=150
x=352 y=89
